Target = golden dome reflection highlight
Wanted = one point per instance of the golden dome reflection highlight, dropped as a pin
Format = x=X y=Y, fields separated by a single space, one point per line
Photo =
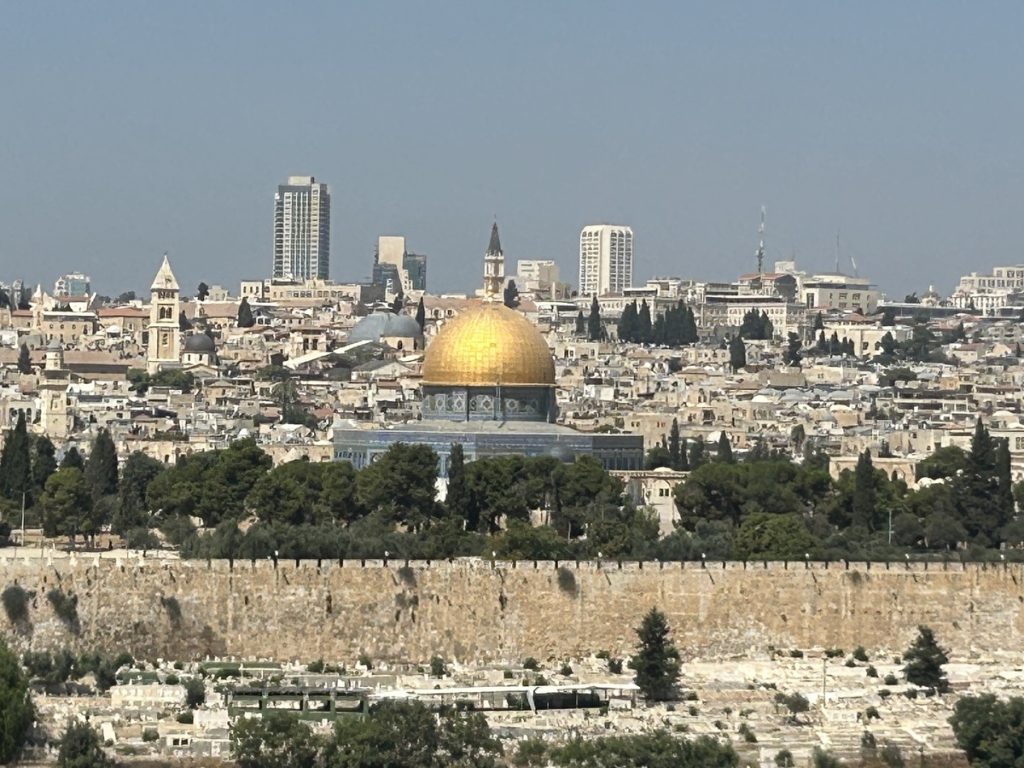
x=488 y=345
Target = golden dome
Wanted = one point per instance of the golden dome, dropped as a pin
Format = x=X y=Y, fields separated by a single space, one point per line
x=488 y=345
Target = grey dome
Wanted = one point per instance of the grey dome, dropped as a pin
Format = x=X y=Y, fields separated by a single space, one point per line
x=385 y=324
x=199 y=344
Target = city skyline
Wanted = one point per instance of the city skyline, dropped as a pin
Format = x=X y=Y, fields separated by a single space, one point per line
x=871 y=122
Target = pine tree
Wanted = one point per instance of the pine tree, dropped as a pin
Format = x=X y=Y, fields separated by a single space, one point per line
x=656 y=662
x=644 y=329
x=202 y=291
x=737 y=353
x=864 y=497
x=421 y=315
x=924 y=661
x=888 y=317
x=245 y=318
x=15 y=462
x=724 y=448
x=594 y=329
x=457 y=499
x=101 y=467
x=767 y=328
x=24 y=361
x=675 y=446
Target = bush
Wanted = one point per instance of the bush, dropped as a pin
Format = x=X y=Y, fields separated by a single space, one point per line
x=530 y=663
x=747 y=733
x=834 y=653
x=366 y=661
x=885 y=693
x=823 y=759
x=171 y=679
x=195 y=693
x=860 y=654
x=871 y=713
x=784 y=759
x=871 y=672
x=796 y=703
x=851 y=663
x=81 y=746
x=316 y=667
x=615 y=666
x=567 y=581
x=65 y=607
x=173 y=609
x=16 y=599
x=186 y=717
x=890 y=679
x=796 y=653
x=566 y=671
x=693 y=711
x=438 y=667
x=150 y=734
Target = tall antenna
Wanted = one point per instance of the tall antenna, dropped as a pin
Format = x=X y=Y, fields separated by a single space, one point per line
x=837 y=251
x=760 y=244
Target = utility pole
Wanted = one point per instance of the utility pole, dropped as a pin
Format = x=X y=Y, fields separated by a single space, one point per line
x=23 y=518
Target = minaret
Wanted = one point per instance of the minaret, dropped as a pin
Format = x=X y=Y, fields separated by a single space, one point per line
x=163 y=344
x=494 y=268
x=55 y=417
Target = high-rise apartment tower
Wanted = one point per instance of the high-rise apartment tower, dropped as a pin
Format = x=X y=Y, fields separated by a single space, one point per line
x=606 y=259
x=302 y=229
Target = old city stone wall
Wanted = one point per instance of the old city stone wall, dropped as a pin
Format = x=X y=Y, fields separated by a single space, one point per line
x=476 y=611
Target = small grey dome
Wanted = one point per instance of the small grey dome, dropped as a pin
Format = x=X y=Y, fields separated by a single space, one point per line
x=199 y=344
x=380 y=325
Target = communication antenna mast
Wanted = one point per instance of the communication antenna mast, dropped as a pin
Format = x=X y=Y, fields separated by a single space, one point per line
x=837 y=251
x=760 y=244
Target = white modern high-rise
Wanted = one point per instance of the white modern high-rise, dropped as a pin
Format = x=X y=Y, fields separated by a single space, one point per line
x=606 y=259
x=302 y=229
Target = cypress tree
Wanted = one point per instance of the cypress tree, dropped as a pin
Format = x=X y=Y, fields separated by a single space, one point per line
x=1004 y=482
x=594 y=328
x=819 y=323
x=44 y=463
x=737 y=353
x=696 y=455
x=864 y=496
x=627 y=323
x=767 y=328
x=24 y=361
x=101 y=468
x=690 y=334
x=457 y=499
x=245 y=318
x=675 y=446
x=793 y=351
x=724 y=448
x=511 y=295
x=15 y=462
x=581 y=324
x=421 y=315
x=72 y=459
x=656 y=662
x=643 y=324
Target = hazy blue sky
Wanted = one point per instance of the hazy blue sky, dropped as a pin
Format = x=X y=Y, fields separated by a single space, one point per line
x=137 y=127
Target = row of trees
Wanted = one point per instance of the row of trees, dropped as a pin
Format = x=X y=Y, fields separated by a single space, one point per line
x=770 y=507
x=675 y=328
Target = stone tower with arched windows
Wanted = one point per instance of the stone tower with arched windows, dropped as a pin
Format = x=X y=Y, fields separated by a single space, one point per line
x=163 y=344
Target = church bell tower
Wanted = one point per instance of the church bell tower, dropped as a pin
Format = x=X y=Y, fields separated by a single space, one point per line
x=163 y=347
x=494 y=268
